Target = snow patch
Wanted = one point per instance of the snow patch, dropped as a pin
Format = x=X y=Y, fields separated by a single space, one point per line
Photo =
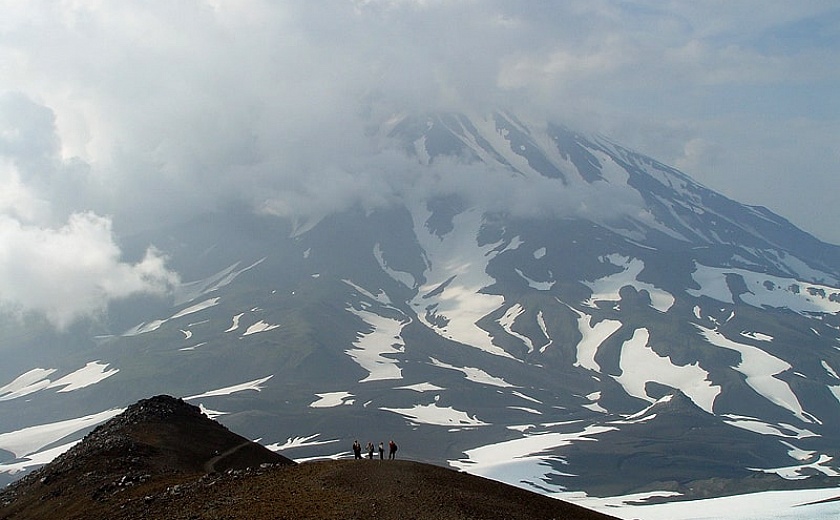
x=526 y=397
x=825 y=365
x=803 y=471
x=608 y=287
x=421 y=387
x=144 y=327
x=755 y=425
x=797 y=453
x=764 y=290
x=90 y=374
x=235 y=324
x=640 y=364
x=332 y=399
x=507 y=321
x=192 y=347
x=594 y=397
x=260 y=326
x=544 y=329
x=206 y=304
x=406 y=279
x=300 y=442
x=36 y=380
x=534 y=284
x=712 y=282
x=813 y=504
x=26 y=383
x=212 y=414
x=521 y=462
x=434 y=415
x=758 y=336
x=760 y=369
x=256 y=385
x=372 y=348
x=380 y=297
x=475 y=375
x=593 y=336
x=525 y=409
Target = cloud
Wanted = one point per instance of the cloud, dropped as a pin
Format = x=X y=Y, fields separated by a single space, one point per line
x=72 y=271
x=152 y=111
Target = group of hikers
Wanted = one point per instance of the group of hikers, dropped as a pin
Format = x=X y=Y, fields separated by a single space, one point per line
x=392 y=450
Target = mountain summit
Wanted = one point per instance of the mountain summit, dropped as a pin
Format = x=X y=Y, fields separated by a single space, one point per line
x=528 y=304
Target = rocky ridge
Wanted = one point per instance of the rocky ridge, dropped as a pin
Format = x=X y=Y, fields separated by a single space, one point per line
x=162 y=458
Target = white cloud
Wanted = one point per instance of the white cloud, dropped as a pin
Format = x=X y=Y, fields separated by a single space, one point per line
x=16 y=199
x=72 y=271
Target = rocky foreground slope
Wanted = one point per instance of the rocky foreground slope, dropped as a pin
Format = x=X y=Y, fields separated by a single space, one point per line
x=163 y=459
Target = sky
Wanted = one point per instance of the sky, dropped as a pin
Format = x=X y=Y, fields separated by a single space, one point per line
x=120 y=116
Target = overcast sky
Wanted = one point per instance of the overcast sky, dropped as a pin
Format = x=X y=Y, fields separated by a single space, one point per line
x=121 y=114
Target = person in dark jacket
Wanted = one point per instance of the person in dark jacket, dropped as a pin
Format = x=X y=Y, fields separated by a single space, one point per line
x=392 y=450
x=357 y=449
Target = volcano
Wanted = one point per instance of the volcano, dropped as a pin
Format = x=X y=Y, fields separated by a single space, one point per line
x=533 y=305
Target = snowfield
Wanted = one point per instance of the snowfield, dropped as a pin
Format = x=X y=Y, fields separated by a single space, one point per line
x=256 y=385
x=608 y=287
x=27 y=444
x=36 y=380
x=91 y=374
x=760 y=369
x=769 y=505
x=476 y=375
x=521 y=462
x=332 y=399
x=455 y=277
x=592 y=338
x=767 y=290
x=641 y=365
x=299 y=442
x=435 y=415
x=260 y=326
x=374 y=350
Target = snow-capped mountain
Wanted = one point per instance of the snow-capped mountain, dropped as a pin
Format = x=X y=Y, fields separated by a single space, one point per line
x=552 y=310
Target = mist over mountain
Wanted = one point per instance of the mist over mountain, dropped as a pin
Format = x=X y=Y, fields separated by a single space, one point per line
x=508 y=297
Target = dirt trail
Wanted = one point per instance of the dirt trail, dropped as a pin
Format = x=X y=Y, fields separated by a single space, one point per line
x=210 y=465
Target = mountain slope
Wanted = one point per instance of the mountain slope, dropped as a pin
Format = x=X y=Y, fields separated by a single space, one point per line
x=162 y=458
x=536 y=306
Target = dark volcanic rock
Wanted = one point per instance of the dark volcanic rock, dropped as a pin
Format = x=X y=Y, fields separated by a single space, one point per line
x=166 y=434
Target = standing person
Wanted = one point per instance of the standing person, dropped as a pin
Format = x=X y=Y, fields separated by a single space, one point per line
x=357 y=449
x=381 y=451
x=370 y=450
x=392 y=450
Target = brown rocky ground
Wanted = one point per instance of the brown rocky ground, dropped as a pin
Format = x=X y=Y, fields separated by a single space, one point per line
x=162 y=459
